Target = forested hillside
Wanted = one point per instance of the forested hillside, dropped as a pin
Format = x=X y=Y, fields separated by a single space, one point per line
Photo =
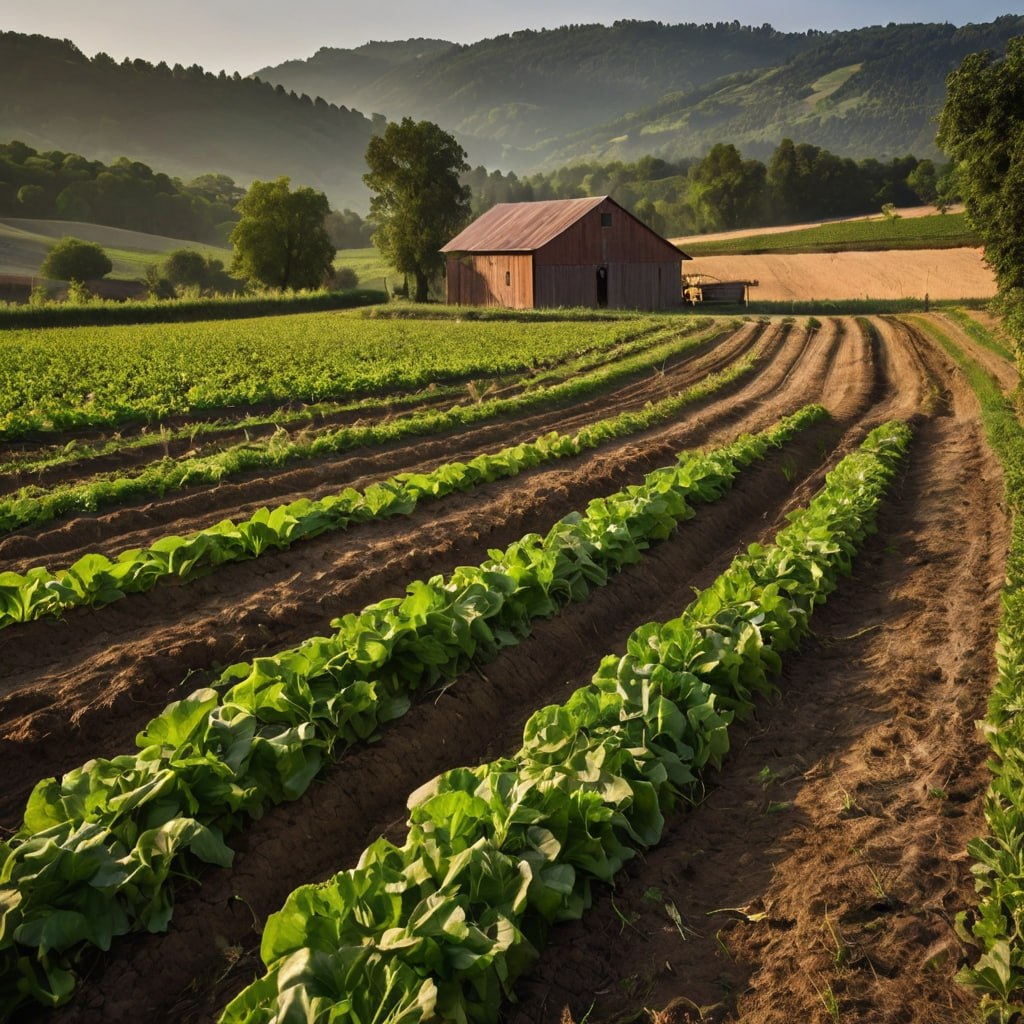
x=185 y=120
x=530 y=88
x=537 y=98
x=871 y=92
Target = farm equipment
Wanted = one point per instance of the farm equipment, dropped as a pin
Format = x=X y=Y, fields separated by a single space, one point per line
x=702 y=288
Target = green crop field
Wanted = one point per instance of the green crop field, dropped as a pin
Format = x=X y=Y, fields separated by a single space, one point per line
x=79 y=375
x=937 y=231
x=308 y=605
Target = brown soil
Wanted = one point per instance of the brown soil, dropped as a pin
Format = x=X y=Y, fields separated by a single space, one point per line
x=894 y=274
x=842 y=814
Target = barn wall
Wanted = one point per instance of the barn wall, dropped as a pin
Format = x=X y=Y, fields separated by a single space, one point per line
x=587 y=243
x=630 y=286
x=479 y=280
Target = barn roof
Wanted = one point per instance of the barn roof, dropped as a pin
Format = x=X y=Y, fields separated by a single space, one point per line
x=526 y=227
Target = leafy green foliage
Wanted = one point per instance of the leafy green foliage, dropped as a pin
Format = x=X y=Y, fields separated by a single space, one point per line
x=418 y=203
x=281 y=240
x=36 y=505
x=111 y=312
x=63 y=378
x=938 y=231
x=441 y=927
x=982 y=127
x=71 y=259
x=125 y=194
x=260 y=734
x=96 y=580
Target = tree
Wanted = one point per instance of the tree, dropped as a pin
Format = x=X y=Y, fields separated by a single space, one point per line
x=924 y=181
x=982 y=128
x=281 y=240
x=71 y=259
x=727 y=191
x=419 y=203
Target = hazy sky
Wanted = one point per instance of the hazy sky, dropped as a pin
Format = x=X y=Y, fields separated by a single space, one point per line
x=244 y=35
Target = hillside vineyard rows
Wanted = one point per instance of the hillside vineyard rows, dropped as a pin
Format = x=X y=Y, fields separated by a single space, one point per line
x=616 y=664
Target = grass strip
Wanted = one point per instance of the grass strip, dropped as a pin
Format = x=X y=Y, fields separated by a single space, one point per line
x=996 y=927
x=33 y=506
x=940 y=231
x=978 y=333
x=98 y=312
x=94 y=579
x=441 y=927
x=98 y=849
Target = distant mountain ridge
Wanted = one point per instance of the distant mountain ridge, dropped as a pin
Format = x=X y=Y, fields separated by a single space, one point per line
x=530 y=88
x=539 y=98
x=531 y=100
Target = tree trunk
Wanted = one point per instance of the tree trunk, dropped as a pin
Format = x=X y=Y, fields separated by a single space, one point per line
x=421 y=286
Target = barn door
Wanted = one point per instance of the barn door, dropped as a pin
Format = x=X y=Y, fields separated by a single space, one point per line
x=602 y=287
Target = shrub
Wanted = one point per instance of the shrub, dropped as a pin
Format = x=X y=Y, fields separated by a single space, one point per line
x=72 y=259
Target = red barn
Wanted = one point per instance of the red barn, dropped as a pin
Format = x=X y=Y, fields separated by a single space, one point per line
x=563 y=252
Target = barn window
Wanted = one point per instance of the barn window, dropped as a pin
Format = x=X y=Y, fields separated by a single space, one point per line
x=508 y=278
x=606 y=220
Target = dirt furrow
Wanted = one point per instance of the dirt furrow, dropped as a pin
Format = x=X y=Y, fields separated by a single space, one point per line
x=1002 y=369
x=821 y=876
x=84 y=687
x=479 y=718
x=135 y=526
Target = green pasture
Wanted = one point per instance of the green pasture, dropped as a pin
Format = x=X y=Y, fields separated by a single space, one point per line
x=936 y=231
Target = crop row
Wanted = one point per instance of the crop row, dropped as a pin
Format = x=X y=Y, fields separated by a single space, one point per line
x=32 y=506
x=96 y=851
x=35 y=458
x=939 y=231
x=70 y=377
x=996 y=928
x=441 y=927
x=94 y=579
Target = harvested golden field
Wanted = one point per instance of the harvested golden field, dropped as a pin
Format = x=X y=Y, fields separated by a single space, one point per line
x=937 y=273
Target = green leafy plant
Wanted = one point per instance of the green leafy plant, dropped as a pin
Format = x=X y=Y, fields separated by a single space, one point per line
x=97 y=848
x=441 y=927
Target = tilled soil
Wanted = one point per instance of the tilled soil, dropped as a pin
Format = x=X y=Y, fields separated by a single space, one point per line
x=826 y=860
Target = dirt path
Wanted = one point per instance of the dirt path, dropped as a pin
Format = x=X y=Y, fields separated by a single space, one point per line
x=844 y=808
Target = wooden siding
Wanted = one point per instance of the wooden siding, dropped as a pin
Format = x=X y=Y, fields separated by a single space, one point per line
x=630 y=286
x=581 y=239
x=479 y=280
x=586 y=243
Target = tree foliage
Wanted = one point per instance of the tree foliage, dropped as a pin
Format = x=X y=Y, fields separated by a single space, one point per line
x=71 y=259
x=419 y=202
x=123 y=194
x=281 y=240
x=982 y=127
x=722 y=190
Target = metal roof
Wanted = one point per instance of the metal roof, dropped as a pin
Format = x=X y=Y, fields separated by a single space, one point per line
x=521 y=227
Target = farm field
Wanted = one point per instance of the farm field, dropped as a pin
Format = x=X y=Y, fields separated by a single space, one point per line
x=825 y=860
x=941 y=274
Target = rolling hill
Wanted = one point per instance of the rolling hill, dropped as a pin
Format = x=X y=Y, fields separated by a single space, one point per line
x=541 y=98
x=184 y=120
